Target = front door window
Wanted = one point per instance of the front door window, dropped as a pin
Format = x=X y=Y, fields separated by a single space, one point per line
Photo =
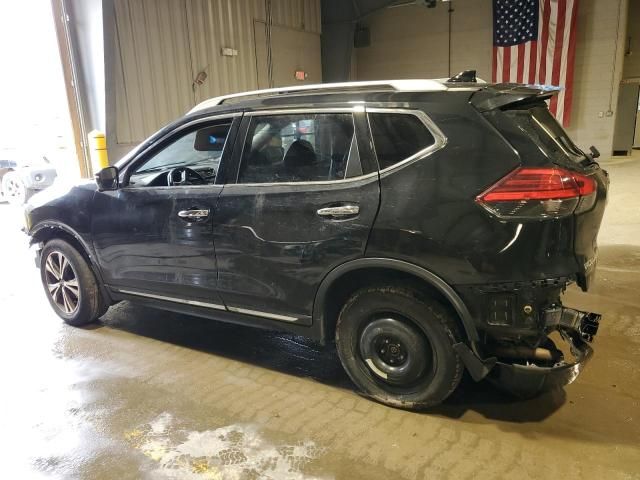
x=193 y=158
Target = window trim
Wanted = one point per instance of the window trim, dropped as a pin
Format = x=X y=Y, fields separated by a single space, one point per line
x=297 y=111
x=440 y=140
x=554 y=138
x=159 y=143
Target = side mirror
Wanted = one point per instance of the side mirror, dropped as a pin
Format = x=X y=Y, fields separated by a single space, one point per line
x=107 y=179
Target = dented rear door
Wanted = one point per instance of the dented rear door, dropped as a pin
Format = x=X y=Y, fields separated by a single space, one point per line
x=275 y=241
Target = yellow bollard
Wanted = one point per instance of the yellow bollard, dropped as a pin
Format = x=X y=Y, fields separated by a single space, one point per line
x=98 y=148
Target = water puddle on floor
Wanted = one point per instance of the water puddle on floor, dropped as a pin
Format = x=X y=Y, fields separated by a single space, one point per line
x=234 y=452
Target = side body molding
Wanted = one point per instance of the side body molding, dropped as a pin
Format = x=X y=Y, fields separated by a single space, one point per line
x=392 y=264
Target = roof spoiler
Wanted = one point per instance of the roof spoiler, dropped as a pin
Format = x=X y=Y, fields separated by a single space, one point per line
x=502 y=94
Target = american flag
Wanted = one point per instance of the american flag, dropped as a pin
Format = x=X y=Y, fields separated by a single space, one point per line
x=534 y=42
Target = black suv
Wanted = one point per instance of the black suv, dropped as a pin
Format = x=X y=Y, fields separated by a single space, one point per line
x=426 y=226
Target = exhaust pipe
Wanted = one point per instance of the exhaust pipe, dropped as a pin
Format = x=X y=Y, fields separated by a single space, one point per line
x=542 y=354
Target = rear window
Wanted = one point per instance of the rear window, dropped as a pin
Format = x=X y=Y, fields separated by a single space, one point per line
x=398 y=136
x=547 y=132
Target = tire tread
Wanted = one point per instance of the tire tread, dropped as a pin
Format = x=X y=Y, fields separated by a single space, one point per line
x=92 y=305
x=438 y=312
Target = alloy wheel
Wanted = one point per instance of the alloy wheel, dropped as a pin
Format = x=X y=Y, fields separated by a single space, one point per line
x=62 y=282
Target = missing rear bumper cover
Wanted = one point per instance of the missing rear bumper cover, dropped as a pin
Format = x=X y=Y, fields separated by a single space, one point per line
x=528 y=379
x=533 y=371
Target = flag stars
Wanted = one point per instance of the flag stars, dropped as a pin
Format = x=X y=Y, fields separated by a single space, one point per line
x=515 y=21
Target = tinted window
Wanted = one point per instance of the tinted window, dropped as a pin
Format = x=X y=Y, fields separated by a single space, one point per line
x=297 y=148
x=542 y=128
x=553 y=130
x=397 y=136
x=199 y=150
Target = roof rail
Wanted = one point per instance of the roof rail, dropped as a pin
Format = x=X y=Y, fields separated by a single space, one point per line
x=410 y=85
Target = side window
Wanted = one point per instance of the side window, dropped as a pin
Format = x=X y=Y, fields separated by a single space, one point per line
x=198 y=150
x=297 y=148
x=397 y=136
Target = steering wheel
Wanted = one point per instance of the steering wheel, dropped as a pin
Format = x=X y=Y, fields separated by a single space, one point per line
x=184 y=176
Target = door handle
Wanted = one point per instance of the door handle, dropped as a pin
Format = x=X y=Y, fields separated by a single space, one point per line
x=340 y=211
x=195 y=214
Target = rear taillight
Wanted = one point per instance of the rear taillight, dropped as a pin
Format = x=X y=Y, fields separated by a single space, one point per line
x=539 y=193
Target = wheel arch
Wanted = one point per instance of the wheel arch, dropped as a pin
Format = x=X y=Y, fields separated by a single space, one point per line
x=48 y=230
x=338 y=284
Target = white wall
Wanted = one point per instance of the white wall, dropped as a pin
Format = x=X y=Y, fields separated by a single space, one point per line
x=598 y=70
x=412 y=42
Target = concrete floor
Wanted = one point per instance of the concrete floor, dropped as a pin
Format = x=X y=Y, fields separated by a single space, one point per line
x=151 y=394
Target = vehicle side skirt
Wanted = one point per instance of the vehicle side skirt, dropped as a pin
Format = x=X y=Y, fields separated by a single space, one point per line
x=311 y=331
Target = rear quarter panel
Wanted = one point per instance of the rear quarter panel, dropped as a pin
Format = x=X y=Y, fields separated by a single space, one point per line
x=428 y=215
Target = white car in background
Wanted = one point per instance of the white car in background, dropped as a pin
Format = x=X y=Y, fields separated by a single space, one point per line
x=19 y=180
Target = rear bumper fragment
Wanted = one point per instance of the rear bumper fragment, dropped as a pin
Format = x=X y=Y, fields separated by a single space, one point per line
x=527 y=380
x=585 y=324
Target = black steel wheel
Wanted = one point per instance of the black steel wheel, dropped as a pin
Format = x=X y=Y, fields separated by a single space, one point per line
x=395 y=350
x=70 y=285
x=397 y=347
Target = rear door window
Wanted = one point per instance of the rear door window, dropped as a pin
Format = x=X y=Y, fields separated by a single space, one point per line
x=398 y=136
x=299 y=148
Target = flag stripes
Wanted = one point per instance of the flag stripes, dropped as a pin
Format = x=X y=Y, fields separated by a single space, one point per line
x=522 y=54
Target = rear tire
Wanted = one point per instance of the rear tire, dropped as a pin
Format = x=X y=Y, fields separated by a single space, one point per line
x=70 y=285
x=397 y=347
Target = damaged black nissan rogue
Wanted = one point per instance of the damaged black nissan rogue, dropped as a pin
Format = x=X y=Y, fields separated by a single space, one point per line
x=425 y=226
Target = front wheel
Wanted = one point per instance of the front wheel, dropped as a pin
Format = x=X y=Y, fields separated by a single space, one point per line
x=397 y=347
x=70 y=285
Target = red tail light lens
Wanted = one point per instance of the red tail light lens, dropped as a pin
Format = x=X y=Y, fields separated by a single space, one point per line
x=539 y=193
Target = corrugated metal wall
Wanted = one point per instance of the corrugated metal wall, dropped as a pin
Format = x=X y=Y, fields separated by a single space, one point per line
x=300 y=14
x=161 y=46
x=153 y=76
x=214 y=24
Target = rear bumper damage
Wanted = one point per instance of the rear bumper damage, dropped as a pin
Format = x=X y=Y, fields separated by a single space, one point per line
x=528 y=380
x=546 y=368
